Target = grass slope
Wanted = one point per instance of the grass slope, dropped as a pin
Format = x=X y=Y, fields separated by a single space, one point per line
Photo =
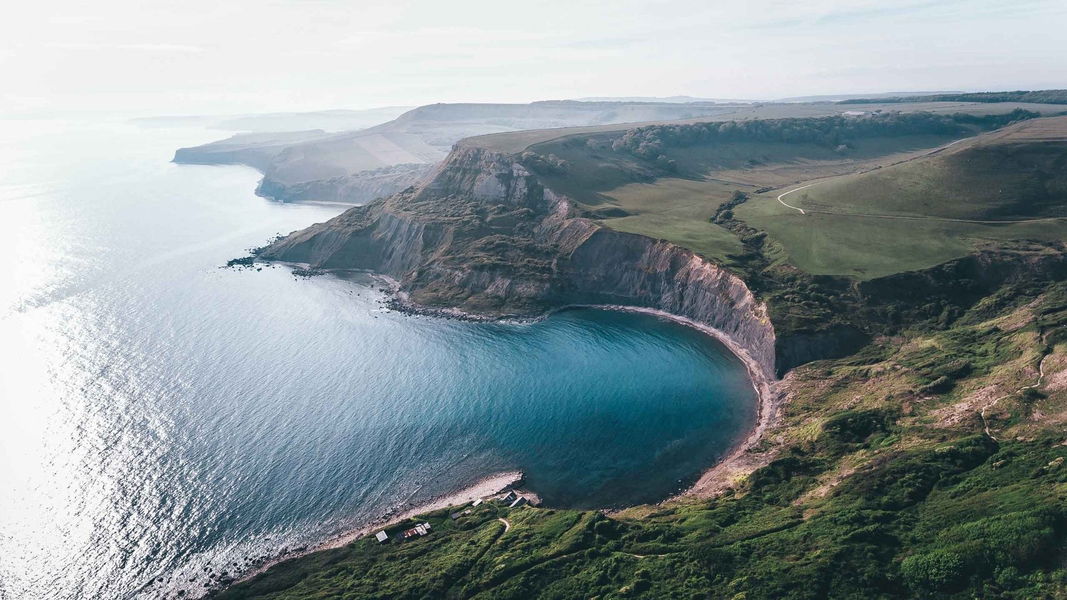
x=882 y=485
x=904 y=217
x=635 y=195
x=879 y=204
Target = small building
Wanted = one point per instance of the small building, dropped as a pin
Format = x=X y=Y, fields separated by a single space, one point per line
x=477 y=502
x=508 y=498
x=517 y=502
x=382 y=537
x=417 y=531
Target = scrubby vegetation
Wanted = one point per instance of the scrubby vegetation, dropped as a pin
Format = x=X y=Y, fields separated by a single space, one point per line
x=1036 y=97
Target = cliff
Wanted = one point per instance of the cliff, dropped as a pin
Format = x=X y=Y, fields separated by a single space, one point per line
x=484 y=235
x=354 y=188
x=359 y=166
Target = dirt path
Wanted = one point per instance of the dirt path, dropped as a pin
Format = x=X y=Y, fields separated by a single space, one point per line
x=901 y=217
x=507 y=525
x=783 y=203
x=1040 y=378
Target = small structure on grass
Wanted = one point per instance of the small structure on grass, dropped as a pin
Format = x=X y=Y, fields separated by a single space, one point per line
x=382 y=537
x=417 y=531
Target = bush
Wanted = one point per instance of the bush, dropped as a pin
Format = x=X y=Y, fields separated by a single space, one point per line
x=939 y=570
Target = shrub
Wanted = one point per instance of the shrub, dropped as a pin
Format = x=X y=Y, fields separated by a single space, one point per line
x=939 y=570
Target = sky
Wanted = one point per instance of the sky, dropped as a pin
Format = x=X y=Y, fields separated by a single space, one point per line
x=243 y=56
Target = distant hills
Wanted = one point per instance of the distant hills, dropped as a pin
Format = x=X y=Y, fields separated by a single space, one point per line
x=326 y=120
x=1036 y=97
x=355 y=156
x=846 y=97
x=791 y=99
x=668 y=99
x=361 y=165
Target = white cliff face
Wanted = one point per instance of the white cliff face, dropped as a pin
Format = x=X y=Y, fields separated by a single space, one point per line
x=484 y=235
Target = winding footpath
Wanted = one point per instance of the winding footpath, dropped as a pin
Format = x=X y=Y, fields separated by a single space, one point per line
x=902 y=217
x=1040 y=378
x=783 y=202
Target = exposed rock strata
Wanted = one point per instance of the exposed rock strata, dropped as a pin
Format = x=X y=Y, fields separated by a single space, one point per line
x=484 y=235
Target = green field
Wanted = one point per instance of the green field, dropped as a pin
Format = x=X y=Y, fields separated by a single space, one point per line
x=996 y=181
x=678 y=210
x=678 y=207
x=915 y=215
x=881 y=206
x=865 y=248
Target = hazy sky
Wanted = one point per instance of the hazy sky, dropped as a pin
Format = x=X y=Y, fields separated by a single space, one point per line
x=194 y=56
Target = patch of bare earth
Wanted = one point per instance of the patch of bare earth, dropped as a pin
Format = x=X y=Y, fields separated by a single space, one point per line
x=1018 y=318
x=827 y=484
x=1055 y=366
x=967 y=410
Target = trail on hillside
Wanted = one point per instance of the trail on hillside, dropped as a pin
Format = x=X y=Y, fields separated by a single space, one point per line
x=937 y=150
x=1040 y=378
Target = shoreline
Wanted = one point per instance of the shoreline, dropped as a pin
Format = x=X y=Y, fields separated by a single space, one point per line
x=490 y=485
x=710 y=483
x=714 y=479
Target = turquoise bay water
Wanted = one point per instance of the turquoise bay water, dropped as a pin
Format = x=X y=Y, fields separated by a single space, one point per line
x=160 y=416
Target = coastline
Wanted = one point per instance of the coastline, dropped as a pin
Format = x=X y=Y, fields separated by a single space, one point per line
x=717 y=477
x=712 y=481
x=489 y=485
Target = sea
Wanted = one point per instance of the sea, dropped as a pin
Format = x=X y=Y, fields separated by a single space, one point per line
x=163 y=417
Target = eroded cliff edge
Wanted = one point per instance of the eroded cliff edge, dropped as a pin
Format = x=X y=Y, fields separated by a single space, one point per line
x=484 y=235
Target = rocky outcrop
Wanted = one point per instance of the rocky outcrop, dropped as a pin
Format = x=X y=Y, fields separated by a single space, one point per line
x=355 y=188
x=484 y=235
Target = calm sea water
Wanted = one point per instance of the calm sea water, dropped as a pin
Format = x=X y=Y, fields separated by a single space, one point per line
x=161 y=415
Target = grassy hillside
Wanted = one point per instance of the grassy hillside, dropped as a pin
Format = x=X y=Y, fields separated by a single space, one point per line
x=880 y=482
x=888 y=193
x=925 y=211
x=668 y=182
x=1037 y=96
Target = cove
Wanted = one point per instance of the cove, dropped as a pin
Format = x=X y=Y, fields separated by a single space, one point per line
x=162 y=415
